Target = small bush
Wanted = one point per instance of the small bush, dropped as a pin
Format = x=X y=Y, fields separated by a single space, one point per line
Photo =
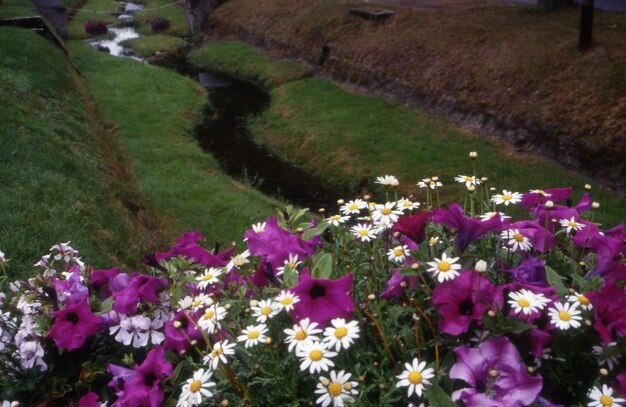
x=96 y=27
x=158 y=25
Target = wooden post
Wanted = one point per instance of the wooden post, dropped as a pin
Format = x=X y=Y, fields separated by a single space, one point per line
x=585 y=39
x=189 y=15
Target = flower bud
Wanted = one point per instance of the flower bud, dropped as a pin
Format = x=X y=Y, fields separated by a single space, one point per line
x=435 y=179
x=484 y=179
x=491 y=313
x=340 y=201
x=427 y=180
x=595 y=205
x=604 y=372
x=403 y=284
x=224 y=403
x=254 y=303
x=300 y=230
x=227 y=306
x=347 y=386
x=492 y=189
x=549 y=205
x=194 y=342
x=268 y=340
x=321 y=210
x=588 y=187
x=1 y=258
x=473 y=155
x=371 y=297
x=415 y=266
x=177 y=324
x=471 y=188
x=481 y=266
x=325 y=382
x=494 y=373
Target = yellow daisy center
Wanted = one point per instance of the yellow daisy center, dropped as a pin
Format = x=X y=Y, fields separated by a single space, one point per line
x=565 y=316
x=572 y=224
x=385 y=211
x=353 y=207
x=194 y=387
x=606 y=400
x=292 y=265
x=335 y=217
x=286 y=301
x=415 y=377
x=197 y=303
x=341 y=332
x=216 y=352
x=444 y=266
x=334 y=389
x=316 y=355
x=301 y=335
x=207 y=277
x=364 y=232
x=523 y=302
x=468 y=178
x=518 y=237
x=583 y=300
x=398 y=252
x=506 y=197
x=253 y=334
x=266 y=311
x=208 y=315
x=239 y=261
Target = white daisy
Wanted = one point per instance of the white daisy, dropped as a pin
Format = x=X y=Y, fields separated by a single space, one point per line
x=341 y=334
x=315 y=357
x=571 y=224
x=210 y=276
x=303 y=333
x=264 y=310
x=259 y=227
x=526 y=301
x=386 y=214
x=335 y=220
x=219 y=353
x=415 y=377
x=253 y=334
x=389 y=180
x=429 y=183
x=565 y=316
x=604 y=398
x=581 y=300
x=292 y=263
x=506 y=198
x=515 y=240
x=210 y=320
x=540 y=192
x=608 y=354
x=363 y=232
x=238 y=260
x=354 y=206
x=195 y=389
x=285 y=300
x=201 y=301
x=488 y=215
x=433 y=240
x=185 y=303
x=338 y=389
x=467 y=180
x=445 y=268
x=404 y=204
x=398 y=253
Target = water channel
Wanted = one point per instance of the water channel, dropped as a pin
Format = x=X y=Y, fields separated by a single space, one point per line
x=224 y=132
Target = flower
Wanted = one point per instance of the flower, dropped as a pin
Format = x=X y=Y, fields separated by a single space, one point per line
x=264 y=310
x=353 y=207
x=604 y=397
x=468 y=229
x=565 y=316
x=196 y=388
x=302 y=333
x=415 y=377
x=398 y=253
x=142 y=389
x=259 y=227
x=467 y=180
x=389 y=180
x=336 y=390
x=397 y=284
x=531 y=270
x=506 y=198
x=429 y=183
x=527 y=302
x=515 y=240
x=210 y=276
x=386 y=214
x=210 y=320
x=413 y=226
x=315 y=357
x=219 y=353
x=335 y=220
x=291 y=263
x=363 y=232
x=253 y=334
x=341 y=334
x=404 y=204
x=445 y=268
x=73 y=325
x=607 y=354
x=286 y=300
x=488 y=215
x=238 y=260
x=609 y=310
x=571 y=224
x=322 y=300
x=495 y=374
x=581 y=300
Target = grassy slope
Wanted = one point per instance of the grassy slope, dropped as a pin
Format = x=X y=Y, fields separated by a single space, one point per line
x=147 y=46
x=346 y=138
x=55 y=185
x=153 y=111
x=514 y=61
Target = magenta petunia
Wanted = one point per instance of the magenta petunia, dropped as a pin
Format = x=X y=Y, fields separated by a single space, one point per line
x=100 y=281
x=140 y=288
x=89 y=400
x=496 y=376
x=533 y=199
x=187 y=246
x=609 y=309
x=180 y=331
x=121 y=375
x=394 y=285
x=70 y=291
x=467 y=229
x=413 y=227
x=322 y=300
x=531 y=270
x=464 y=300
x=541 y=238
x=73 y=325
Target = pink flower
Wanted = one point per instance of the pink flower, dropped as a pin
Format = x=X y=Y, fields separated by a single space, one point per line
x=73 y=325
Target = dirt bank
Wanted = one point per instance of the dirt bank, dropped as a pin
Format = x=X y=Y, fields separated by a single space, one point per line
x=510 y=71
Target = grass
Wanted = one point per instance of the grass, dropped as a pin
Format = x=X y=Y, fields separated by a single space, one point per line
x=348 y=139
x=163 y=9
x=147 y=46
x=17 y=8
x=154 y=111
x=241 y=61
x=56 y=184
x=92 y=10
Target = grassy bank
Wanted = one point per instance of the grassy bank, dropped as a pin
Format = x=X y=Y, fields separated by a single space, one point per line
x=347 y=139
x=153 y=111
x=56 y=163
x=148 y=46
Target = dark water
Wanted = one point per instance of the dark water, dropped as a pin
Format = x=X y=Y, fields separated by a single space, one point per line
x=225 y=134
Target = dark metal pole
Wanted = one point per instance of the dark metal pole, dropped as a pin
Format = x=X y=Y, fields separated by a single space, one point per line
x=586 y=25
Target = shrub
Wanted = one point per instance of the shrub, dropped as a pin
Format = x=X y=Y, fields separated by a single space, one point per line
x=96 y=27
x=159 y=24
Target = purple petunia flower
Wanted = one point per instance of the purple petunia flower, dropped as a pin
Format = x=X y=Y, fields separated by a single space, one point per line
x=533 y=199
x=180 y=338
x=70 y=291
x=467 y=229
x=609 y=309
x=322 y=300
x=413 y=227
x=100 y=281
x=394 y=287
x=187 y=246
x=463 y=300
x=121 y=375
x=541 y=238
x=621 y=383
x=73 y=325
x=140 y=288
x=531 y=270
x=89 y=400
x=495 y=374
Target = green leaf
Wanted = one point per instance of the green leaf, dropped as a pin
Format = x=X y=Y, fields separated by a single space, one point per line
x=316 y=231
x=517 y=327
x=408 y=271
x=555 y=280
x=438 y=397
x=105 y=307
x=323 y=267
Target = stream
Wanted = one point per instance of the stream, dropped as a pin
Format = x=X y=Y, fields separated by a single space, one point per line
x=224 y=132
